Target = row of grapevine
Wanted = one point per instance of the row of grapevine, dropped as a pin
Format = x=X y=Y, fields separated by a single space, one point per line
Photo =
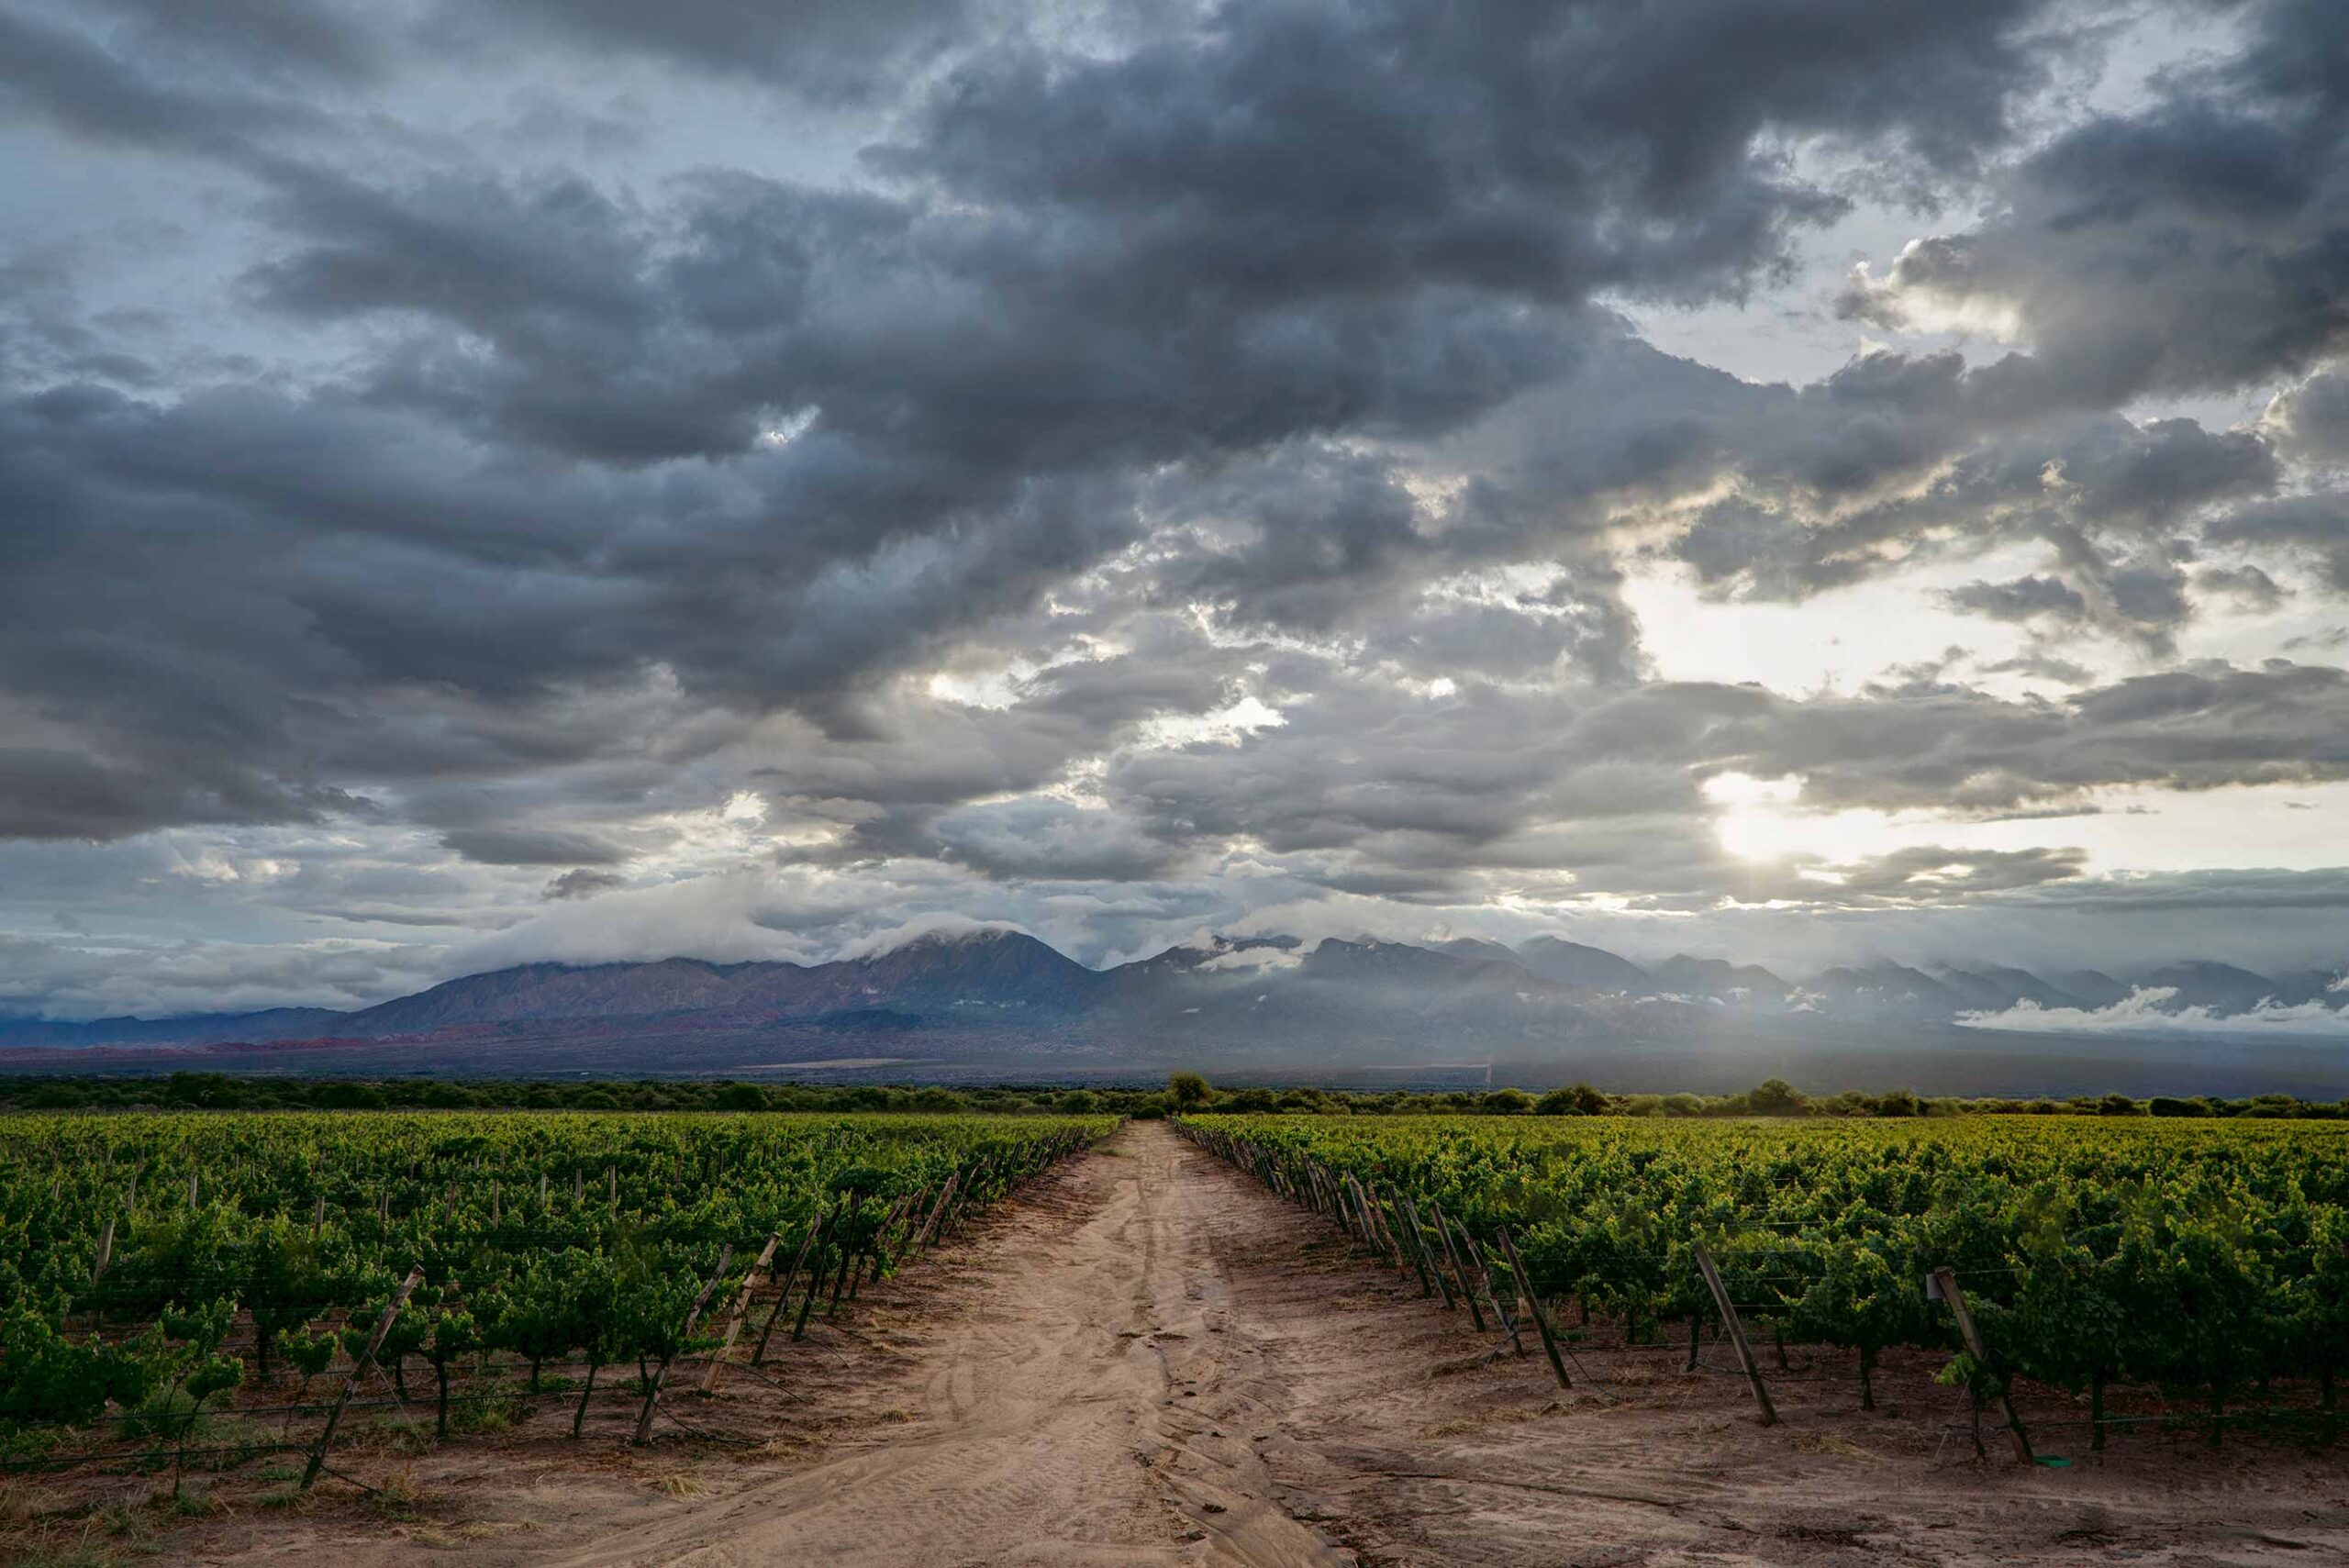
x=2191 y=1257
x=149 y=1264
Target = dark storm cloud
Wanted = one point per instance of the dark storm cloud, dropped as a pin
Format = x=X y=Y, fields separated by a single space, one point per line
x=532 y=847
x=971 y=370
x=56 y=793
x=827 y=49
x=291 y=39
x=1381 y=145
x=2218 y=209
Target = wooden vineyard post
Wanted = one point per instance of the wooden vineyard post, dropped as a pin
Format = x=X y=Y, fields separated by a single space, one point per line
x=783 y=1291
x=1381 y=1219
x=725 y=1256
x=937 y=1212
x=1533 y=1306
x=359 y=1370
x=815 y=1281
x=692 y=1315
x=1418 y=1266
x=1727 y=1310
x=1467 y=1290
x=884 y=1244
x=317 y=1216
x=1371 y=1229
x=106 y=1252
x=612 y=1180
x=1485 y=1277
x=1944 y=1282
x=1435 y=1262
x=850 y=1260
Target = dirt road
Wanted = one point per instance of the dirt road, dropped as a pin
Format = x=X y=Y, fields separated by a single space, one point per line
x=1146 y=1359
x=1094 y=1407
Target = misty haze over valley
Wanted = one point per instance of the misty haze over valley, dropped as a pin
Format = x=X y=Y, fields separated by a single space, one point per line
x=964 y=1002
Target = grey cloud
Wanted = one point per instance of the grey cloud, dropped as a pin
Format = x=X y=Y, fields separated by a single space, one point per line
x=2221 y=202
x=2021 y=599
x=532 y=846
x=59 y=793
x=582 y=883
x=1933 y=872
x=1052 y=841
x=2313 y=417
x=83 y=979
x=2247 y=585
x=2315 y=526
x=827 y=50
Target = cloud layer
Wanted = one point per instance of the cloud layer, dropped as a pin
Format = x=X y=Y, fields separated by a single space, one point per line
x=583 y=480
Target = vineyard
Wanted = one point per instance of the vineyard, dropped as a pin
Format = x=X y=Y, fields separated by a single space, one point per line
x=163 y=1277
x=2210 y=1262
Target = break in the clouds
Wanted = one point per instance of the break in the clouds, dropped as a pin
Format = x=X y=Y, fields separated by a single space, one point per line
x=587 y=480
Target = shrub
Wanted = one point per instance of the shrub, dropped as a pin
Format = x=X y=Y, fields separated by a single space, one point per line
x=1581 y=1099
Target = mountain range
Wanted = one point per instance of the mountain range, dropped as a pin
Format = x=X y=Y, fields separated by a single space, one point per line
x=1000 y=1001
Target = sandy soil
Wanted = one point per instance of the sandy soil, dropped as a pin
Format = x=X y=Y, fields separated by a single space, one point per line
x=1147 y=1359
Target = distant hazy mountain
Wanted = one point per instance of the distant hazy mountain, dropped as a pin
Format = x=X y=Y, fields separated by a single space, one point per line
x=2220 y=986
x=1717 y=978
x=1571 y=963
x=1262 y=998
x=1886 y=990
x=989 y=972
x=2092 y=986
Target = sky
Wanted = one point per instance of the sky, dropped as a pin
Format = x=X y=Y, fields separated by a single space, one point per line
x=1803 y=480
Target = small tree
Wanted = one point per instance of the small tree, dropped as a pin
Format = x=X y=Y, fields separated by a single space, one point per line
x=1189 y=1091
x=1775 y=1096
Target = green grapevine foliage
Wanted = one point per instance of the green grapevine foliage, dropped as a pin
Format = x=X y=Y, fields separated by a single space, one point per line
x=185 y=1256
x=2211 y=1256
